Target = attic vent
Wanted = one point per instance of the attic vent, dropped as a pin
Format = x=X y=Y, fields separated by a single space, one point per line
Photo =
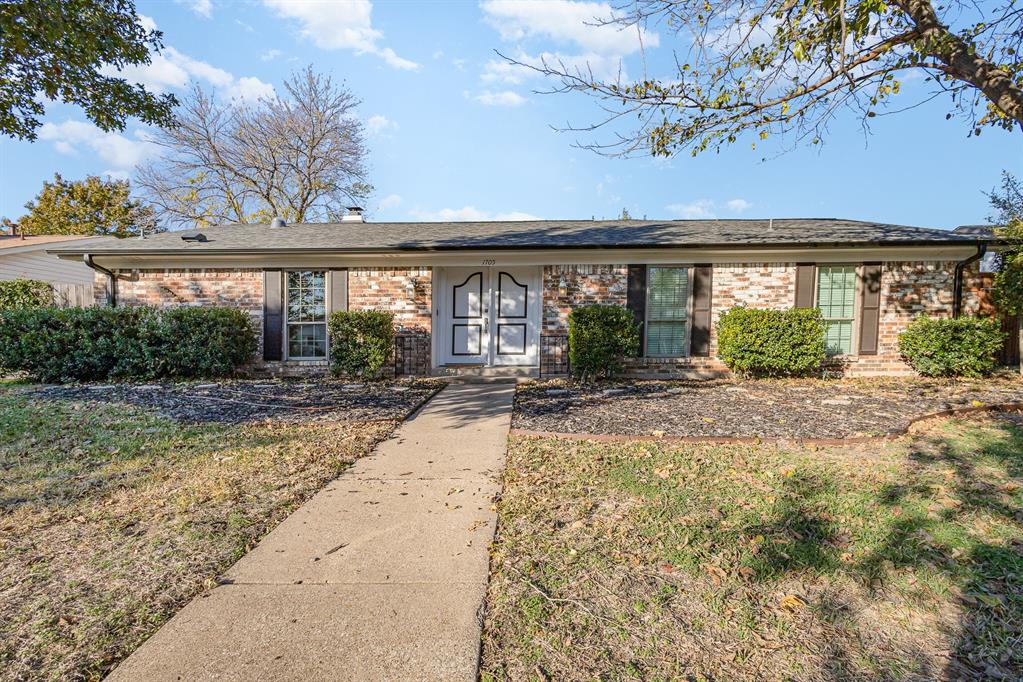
x=278 y=222
x=193 y=237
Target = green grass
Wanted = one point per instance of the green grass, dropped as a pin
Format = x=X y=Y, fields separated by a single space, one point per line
x=111 y=518
x=651 y=561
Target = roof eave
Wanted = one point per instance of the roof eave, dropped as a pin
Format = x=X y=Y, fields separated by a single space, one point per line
x=521 y=247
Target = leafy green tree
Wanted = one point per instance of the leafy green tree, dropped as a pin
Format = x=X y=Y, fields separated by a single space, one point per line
x=92 y=206
x=1007 y=203
x=66 y=50
x=750 y=69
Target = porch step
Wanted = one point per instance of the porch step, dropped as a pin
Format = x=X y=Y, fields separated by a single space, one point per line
x=476 y=373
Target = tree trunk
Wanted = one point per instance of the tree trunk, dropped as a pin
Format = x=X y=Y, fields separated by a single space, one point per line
x=962 y=62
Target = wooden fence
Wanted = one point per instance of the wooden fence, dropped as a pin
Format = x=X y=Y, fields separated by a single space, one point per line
x=68 y=295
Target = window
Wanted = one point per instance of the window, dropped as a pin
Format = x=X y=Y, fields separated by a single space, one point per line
x=307 y=315
x=667 y=310
x=836 y=298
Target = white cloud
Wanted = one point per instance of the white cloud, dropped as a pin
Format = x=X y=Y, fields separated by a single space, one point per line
x=249 y=89
x=116 y=174
x=505 y=98
x=390 y=201
x=701 y=209
x=438 y=54
x=340 y=26
x=567 y=22
x=201 y=7
x=270 y=55
x=738 y=205
x=171 y=69
x=121 y=152
x=467 y=214
x=378 y=124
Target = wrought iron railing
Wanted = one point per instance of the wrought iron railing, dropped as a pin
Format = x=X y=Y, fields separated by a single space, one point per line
x=411 y=354
x=554 y=354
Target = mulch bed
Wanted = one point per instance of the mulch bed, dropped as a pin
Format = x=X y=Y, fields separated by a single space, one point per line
x=789 y=409
x=236 y=402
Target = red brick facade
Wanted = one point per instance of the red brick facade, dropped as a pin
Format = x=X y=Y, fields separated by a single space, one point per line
x=908 y=289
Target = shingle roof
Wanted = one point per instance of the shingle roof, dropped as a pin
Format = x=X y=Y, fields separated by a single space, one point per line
x=540 y=234
x=14 y=241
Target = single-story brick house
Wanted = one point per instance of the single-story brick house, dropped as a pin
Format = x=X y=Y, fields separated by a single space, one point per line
x=494 y=297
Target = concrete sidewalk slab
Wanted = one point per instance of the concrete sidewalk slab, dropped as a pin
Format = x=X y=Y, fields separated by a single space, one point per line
x=381 y=575
x=379 y=531
x=316 y=632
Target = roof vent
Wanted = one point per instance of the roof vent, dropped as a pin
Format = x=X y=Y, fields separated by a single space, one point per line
x=278 y=222
x=194 y=236
x=354 y=215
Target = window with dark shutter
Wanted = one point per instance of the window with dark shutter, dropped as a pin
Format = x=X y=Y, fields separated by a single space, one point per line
x=870 y=308
x=273 y=314
x=636 y=300
x=701 y=320
x=806 y=283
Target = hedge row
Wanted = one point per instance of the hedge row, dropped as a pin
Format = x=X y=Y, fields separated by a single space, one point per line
x=25 y=293
x=131 y=343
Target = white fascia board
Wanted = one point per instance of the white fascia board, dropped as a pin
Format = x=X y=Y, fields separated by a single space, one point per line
x=545 y=257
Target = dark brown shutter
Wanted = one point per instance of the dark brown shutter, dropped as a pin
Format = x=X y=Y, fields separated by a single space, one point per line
x=338 y=290
x=699 y=340
x=636 y=301
x=870 y=310
x=806 y=281
x=273 y=314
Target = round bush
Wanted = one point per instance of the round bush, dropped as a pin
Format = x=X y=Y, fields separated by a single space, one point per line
x=753 y=342
x=127 y=343
x=599 y=338
x=361 y=342
x=966 y=346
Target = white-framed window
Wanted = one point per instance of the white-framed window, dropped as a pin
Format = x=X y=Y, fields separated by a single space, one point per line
x=306 y=306
x=836 y=299
x=667 y=311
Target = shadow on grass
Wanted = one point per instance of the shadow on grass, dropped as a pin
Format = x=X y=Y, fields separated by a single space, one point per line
x=950 y=478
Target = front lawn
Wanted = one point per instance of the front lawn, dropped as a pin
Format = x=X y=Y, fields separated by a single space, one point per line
x=646 y=560
x=112 y=516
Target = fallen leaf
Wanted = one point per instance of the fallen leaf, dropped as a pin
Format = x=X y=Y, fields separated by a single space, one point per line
x=791 y=602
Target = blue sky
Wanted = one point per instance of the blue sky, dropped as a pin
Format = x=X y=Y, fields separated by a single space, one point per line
x=454 y=133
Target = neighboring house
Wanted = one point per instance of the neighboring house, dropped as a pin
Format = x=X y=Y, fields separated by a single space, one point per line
x=494 y=297
x=26 y=257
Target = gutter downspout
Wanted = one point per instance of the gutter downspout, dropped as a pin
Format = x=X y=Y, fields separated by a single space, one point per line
x=957 y=282
x=111 y=278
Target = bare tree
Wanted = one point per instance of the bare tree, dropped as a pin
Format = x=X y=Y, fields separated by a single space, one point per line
x=769 y=67
x=300 y=156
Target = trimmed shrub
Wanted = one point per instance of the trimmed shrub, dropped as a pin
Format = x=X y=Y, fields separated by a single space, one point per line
x=361 y=342
x=25 y=293
x=965 y=347
x=753 y=342
x=599 y=338
x=130 y=343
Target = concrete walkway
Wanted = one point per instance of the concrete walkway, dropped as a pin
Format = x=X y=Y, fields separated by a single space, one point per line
x=382 y=575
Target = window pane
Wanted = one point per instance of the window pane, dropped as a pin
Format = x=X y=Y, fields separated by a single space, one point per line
x=666 y=311
x=665 y=338
x=838 y=337
x=667 y=293
x=307 y=341
x=836 y=292
x=307 y=296
x=836 y=298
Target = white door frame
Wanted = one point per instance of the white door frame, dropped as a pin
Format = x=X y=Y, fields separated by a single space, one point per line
x=443 y=320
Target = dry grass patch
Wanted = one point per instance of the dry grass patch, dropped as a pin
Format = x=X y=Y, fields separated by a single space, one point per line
x=111 y=518
x=651 y=561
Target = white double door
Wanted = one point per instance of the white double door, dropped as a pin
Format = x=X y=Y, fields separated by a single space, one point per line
x=488 y=315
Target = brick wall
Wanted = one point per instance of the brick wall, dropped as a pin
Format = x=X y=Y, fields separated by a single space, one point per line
x=408 y=293
x=569 y=286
